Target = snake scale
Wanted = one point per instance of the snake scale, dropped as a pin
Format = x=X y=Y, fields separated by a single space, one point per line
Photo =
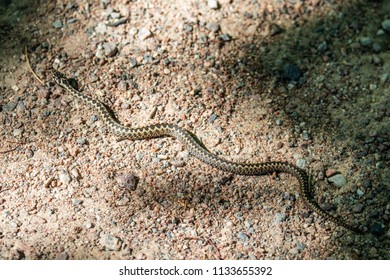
x=198 y=151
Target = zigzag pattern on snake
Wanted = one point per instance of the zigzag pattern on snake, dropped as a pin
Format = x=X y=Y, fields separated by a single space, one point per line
x=196 y=149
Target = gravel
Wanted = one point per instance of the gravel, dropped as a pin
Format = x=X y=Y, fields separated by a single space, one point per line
x=227 y=73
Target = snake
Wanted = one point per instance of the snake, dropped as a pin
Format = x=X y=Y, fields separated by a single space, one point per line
x=198 y=150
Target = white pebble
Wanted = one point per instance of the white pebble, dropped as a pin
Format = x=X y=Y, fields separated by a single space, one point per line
x=144 y=34
x=64 y=177
x=213 y=4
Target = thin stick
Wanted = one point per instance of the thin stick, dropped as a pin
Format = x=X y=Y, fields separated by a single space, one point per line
x=8 y=151
x=29 y=66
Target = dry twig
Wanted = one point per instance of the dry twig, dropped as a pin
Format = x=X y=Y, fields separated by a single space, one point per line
x=29 y=66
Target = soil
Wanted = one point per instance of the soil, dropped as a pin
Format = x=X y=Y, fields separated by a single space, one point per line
x=300 y=81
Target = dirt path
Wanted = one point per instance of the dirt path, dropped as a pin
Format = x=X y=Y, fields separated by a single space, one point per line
x=290 y=81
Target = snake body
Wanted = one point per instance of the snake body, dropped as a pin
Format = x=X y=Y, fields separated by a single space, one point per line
x=198 y=151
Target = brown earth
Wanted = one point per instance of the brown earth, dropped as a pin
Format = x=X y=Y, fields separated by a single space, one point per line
x=299 y=81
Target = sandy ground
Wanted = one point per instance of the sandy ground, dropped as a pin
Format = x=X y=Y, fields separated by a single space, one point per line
x=299 y=81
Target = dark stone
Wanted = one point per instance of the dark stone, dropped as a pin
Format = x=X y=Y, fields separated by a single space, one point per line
x=291 y=72
x=377 y=229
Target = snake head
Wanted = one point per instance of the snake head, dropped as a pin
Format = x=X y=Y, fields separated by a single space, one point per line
x=58 y=77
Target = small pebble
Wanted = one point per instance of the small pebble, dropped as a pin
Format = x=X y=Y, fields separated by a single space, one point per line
x=99 y=53
x=75 y=173
x=29 y=153
x=76 y=201
x=127 y=181
x=330 y=172
x=178 y=163
x=202 y=38
x=300 y=246
x=62 y=256
x=213 y=4
x=110 y=242
x=376 y=47
x=64 y=177
x=184 y=154
x=139 y=155
x=144 y=34
x=212 y=118
x=122 y=85
x=101 y=28
x=365 y=41
x=57 y=24
x=242 y=236
x=294 y=251
x=212 y=26
x=147 y=58
x=377 y=229
x=322 y=47
x=225 y=37
x=248 y=223
x=20 y=107
x=93 y=119
x=278 y=145
x=279 y=217
x=338 y=180
x=306 y=135
x=279 y=122
x=291 y=72
x=115 y=15
x=187 y=27
x=17 y=132
x=71 y=20
x=9 y=107
x=360 y=192
x=386 y=25
x=110 y=49
x=133 y=62
x=301 y=163
x=376 y=60
x=81 y=141
x=88 y=225
x=358 y=208
x=384 y=78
